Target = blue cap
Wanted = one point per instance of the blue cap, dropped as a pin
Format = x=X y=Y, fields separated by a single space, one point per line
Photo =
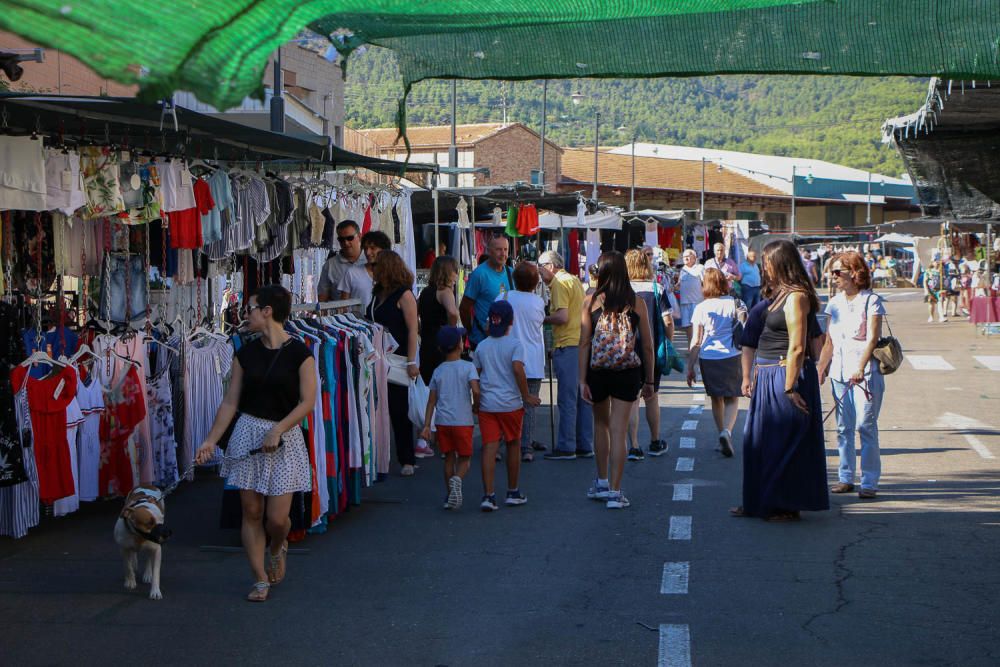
x=500 y=318
x=448 y=338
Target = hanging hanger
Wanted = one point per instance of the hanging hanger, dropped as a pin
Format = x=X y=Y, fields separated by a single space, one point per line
x=41 y=357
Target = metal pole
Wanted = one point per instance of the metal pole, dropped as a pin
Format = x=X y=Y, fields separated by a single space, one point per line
x=453 y=148
x=597 y=138
x=793 y=199
x=277 y=98
x=541 y=162
x=631 y=199
x=437 y=218
x=868 y=211
x=701 y=213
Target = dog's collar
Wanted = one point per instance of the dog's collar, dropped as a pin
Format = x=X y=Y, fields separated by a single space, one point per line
x=157 y=535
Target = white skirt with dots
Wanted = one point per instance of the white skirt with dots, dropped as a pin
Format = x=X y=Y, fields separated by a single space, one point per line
x=285 y=470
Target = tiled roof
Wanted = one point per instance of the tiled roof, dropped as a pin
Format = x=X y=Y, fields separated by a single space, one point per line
x=438 y=135
x=659 y=173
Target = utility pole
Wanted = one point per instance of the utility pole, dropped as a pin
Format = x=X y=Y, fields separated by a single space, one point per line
x=278 y=98
x=868 y=211
x=793 y=199
x=631 y=199
x=541 y=162
x=701 y=212
x=597 y=141
x=453 y=148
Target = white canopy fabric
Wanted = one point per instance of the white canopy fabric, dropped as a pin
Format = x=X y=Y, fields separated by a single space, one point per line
x=607 y=219
x=894 y=237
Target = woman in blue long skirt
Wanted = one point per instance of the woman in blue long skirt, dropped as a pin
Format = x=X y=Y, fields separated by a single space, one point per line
x=784 y=455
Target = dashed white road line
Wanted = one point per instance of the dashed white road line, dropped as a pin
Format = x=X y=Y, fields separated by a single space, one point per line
x=992 y=363
x=675 y=578
x=698 y=398
x=680 y=528
x=963 y=423
x=696 y=409
x=675 y=646
x=689 y=425
x=684 y=464
x=688 y=443
x=929 y=362
x=683 y=492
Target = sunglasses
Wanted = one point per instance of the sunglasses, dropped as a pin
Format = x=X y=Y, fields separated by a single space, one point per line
x=347 y=239
x=841 y=272
x=250 y=309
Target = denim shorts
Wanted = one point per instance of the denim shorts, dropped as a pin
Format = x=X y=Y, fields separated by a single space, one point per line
x=113 y=285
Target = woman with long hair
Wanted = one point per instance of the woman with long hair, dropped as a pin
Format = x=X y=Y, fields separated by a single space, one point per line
x=858 y=386
x=616 y=358
x=436 y=307
x=272 y=388
x=395 y=308
x=642 y=279
x=784 y=459
x=715 y=352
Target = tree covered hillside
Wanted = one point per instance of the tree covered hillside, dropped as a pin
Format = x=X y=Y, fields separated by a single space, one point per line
x=832 y=118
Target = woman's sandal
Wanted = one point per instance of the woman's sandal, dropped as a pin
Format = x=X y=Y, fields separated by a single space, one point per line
x=737 y=511
x=276 y=572
x=783 y=517
x=259 y=592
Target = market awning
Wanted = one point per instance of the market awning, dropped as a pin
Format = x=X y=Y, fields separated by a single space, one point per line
x=607 y=219
x=218 y=49
x=661 y=218
x=123 y=120
x=929 y=227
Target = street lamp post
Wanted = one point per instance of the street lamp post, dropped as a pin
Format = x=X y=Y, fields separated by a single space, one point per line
x=793 y=199
x=541 y=163
x=701 y=211
x=631 y=199
x=597 y=137
x=868 y=209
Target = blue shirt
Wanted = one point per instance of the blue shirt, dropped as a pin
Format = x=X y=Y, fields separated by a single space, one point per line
x=750 y=273
x=498 y=389
x=451 y=382
x=485 y=285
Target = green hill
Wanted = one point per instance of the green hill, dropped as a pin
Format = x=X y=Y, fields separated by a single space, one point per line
x=834 y=118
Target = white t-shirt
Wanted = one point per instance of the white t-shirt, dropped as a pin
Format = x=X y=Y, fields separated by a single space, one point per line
x=717 y=316
x=690 y=284
x=529 y=313
x=848 y=330
x=357 y=283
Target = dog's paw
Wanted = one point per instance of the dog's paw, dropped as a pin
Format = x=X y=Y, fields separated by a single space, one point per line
x=147 y=577
x=130 y=584
x=155 y=594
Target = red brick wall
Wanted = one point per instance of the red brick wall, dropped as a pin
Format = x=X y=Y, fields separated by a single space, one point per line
x=60 y=73
x=512 y=154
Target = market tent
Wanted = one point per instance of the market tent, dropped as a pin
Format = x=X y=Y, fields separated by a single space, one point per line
x=661 y=218
x=218 y=50
x=607 y=219
x=930 y=226
x=895 y=237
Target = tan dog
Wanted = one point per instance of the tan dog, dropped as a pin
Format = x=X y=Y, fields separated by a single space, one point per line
x=140 y=528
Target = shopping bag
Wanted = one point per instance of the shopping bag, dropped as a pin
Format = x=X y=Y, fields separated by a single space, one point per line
x=418 y=395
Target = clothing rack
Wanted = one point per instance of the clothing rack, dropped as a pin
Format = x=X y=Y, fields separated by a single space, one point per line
x=326 y=305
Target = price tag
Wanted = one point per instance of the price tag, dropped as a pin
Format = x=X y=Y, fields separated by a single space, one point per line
x=135 y=182
x=218 y=365
x=59 y=388
x=66 y=179
x=126 y=157
x=185 y=177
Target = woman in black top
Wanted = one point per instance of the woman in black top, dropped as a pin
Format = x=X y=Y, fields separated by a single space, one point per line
x=784 y=456
x=395 y=308
x=272 y=389
x=436 y=308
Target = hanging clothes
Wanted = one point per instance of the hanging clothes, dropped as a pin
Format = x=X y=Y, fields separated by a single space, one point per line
x=23 y=186
x=124 y=410
x=511 y=228
x=527 y=220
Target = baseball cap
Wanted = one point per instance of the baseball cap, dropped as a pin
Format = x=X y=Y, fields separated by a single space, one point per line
x=449 y=337
x=500 y=318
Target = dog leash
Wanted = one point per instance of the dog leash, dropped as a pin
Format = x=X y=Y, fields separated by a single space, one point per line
x=850 y=385
x=170 y=489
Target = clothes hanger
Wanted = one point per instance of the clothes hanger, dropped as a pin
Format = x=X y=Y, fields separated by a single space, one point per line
x=41 y=357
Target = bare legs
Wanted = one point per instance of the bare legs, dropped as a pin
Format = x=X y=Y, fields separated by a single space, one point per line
x=611 y=418
x=254 y=531
x=724 y=411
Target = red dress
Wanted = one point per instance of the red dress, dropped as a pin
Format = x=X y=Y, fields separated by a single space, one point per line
x=48 y=399
x=185 y=225
x=124 y=409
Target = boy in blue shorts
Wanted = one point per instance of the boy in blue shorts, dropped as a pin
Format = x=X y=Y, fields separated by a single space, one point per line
x=454 y=395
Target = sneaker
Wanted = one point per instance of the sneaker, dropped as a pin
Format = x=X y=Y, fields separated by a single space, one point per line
x=407 y=470
x=556 y=455
x=657 y=448
x=584 y=454
x=537 y=446
x=423 y=450
x=489 y=503
x=930 y=319
x=726 y=443
x=942 y=319
x=636 y=454
x=617 y=500
x=527 y=456
x=515 y=497
x=598 y=491
x=499 y=457
x=447 y=503
x=455 y=492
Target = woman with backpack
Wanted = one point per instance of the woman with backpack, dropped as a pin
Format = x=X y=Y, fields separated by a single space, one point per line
x=715 y=350
x=616 y=358
x=784 y=457
x=933 y=277
x=858 y=386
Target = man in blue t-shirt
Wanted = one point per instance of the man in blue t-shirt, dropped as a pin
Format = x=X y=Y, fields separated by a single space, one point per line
x=490 y=279
x=750 y=271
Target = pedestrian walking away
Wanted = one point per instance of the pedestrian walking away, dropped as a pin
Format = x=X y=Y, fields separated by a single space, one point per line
x=616 y=360
x=271 y=390
x=784 y=459
x=858 y=385
x=451 y=403
x=504 y=389
x=394 y=307
x=575 y=438
x=529 y=314
x=714 y=349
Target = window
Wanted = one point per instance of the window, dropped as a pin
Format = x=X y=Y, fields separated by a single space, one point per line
x=536 y=175
x=747 y=215
x=716 y=215
x=776 y=221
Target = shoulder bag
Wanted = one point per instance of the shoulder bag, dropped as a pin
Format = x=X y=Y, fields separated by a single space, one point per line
x=888 y=350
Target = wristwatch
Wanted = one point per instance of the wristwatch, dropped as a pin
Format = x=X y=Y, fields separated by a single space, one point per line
x=790 y=391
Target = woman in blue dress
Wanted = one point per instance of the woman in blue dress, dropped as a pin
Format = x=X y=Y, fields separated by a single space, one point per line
x=784 y=456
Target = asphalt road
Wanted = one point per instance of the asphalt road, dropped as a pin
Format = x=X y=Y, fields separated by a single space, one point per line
x=908 y=579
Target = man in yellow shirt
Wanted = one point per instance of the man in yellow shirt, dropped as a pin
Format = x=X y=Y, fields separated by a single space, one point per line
x=576 y=417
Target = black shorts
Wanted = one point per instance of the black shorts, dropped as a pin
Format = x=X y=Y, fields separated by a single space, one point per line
x=624 y=385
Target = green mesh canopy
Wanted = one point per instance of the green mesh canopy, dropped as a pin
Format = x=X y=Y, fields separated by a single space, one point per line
x=218 y=49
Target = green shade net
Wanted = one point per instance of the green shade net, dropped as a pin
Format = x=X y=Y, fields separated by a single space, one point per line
x=218 y=49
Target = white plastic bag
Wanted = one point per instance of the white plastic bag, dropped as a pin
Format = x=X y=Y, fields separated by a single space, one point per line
x=418 y=395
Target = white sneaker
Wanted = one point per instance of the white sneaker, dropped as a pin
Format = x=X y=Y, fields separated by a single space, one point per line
x=930 y=319
x=455 y=492
x=598 y=492
x=617 y=501
x=942 y=319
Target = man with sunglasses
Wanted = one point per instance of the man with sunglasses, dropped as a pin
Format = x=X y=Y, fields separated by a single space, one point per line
x=348 y=236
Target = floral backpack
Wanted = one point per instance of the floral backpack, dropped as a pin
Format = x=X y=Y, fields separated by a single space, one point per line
x=613 y=344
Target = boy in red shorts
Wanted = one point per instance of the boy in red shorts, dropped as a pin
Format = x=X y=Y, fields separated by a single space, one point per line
x=500 y=362
x=452 y=385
